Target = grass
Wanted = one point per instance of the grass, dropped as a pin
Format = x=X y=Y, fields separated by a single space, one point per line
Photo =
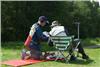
x=12 y=50
x=91 y=41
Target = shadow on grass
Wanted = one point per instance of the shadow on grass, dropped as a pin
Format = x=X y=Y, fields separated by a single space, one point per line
x=82 y=62
x=78 y=61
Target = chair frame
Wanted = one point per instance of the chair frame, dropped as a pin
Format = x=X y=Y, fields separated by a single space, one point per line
x=67 y=44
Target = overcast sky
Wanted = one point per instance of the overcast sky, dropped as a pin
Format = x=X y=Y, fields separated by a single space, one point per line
x=96 y=0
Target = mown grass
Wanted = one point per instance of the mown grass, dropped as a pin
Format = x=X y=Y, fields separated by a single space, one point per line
x=12 y=50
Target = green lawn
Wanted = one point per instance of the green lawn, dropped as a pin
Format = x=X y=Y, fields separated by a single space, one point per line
x=12 y=50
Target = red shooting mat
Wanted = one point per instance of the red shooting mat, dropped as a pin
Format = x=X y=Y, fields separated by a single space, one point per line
x=18 y=63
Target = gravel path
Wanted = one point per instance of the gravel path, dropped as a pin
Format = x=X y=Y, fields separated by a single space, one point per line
x=94 y=46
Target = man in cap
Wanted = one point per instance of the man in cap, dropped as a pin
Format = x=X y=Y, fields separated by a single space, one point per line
x=58 y=30
x=35 y=36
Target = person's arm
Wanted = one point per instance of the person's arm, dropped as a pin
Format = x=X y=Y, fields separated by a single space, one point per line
x=50 y=43
x=41 y=35
x=29 y=38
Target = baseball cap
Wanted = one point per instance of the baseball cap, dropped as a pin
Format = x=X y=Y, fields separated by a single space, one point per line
x=43 y=19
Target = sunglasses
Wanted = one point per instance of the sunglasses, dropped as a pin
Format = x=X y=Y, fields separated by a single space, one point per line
x=43 y=21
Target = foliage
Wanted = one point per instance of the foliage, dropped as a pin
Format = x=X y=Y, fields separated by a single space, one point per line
x=18 y=16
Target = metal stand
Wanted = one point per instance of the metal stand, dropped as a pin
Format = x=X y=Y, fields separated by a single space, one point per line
x=78 y=27
x=78 y=35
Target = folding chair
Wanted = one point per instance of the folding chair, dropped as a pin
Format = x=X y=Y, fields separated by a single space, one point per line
x=63 y=44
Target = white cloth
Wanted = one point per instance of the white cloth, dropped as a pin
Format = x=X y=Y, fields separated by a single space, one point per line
x=57 y=31
x=46 y=34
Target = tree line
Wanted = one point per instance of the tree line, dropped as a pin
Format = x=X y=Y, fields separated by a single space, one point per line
x=18 y=16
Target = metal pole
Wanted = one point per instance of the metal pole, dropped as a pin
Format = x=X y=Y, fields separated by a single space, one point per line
x=78 y=29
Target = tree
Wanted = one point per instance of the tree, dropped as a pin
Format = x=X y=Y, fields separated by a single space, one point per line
x=18 y=16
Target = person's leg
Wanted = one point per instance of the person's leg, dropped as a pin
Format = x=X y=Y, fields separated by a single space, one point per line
x=36 y=54
x=72 y=57
x=35 y=51
x=81 y=50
